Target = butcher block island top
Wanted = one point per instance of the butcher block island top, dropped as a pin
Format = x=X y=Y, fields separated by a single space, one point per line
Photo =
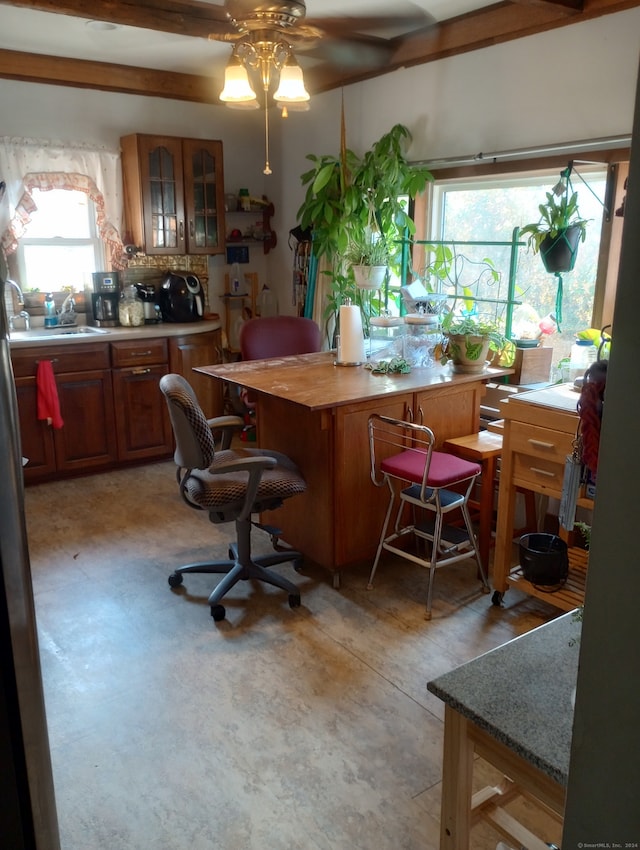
x=317 y=413
x=315 y=382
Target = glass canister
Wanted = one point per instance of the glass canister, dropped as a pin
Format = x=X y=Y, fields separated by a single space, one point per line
x=583 y=354
x=386 y=337
x=422 y=335
x=131 y=308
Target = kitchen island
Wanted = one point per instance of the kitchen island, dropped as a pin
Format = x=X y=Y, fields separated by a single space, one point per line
x=317 y=413
x=513 y=708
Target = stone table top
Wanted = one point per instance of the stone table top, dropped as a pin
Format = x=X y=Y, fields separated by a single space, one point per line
x=521 y=694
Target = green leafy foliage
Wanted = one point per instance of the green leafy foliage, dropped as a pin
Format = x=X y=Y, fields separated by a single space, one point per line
x=556 y=215
x=352 y=202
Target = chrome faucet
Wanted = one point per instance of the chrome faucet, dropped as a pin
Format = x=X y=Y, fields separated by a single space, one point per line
x=23 y=313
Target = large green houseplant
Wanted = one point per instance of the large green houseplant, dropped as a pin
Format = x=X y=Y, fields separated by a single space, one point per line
x=357 y=210
x=559 y=230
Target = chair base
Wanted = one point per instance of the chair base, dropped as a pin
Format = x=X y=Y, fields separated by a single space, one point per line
x=242 y=569
x=448 y=544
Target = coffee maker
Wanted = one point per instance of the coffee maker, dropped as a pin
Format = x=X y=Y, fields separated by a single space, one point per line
x=105 y=299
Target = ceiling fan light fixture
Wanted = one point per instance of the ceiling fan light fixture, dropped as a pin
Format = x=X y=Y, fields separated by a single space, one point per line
x=291 y=88
x=237 y=88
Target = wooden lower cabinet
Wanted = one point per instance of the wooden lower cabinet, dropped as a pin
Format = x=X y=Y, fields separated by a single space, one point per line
x=191 y=350
x=143 y=429
x=86 y=440
x=337 y=521
x=112 y=407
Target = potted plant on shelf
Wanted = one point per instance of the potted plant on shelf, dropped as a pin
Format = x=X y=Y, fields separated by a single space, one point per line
x=469 y=341
x=357 y=210
x=559 y=230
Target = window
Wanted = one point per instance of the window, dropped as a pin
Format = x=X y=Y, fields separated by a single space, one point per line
x=488 y=209
x=61 y=246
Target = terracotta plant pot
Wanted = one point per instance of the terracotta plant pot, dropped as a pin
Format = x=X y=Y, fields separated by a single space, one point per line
x=467 y=352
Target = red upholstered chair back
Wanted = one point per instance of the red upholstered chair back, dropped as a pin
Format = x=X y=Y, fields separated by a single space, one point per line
x=279 y=336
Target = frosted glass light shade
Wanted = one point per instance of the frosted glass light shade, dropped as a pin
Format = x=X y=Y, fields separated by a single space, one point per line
x=291 y=88
x=237 y=88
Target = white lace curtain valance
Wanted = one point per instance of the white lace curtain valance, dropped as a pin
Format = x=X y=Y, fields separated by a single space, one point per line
x=26 y=164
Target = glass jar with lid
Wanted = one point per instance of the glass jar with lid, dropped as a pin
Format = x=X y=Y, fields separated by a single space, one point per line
x=131 y=308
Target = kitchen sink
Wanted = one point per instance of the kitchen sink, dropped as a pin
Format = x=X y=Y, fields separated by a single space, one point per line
x=60 y=332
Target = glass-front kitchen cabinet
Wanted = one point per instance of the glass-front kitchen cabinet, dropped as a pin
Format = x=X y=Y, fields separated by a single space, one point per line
x=173 y=194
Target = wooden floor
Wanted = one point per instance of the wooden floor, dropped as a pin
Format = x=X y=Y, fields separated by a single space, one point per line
x=278 y=728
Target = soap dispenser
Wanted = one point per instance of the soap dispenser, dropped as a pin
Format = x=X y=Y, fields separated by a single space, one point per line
x=50 y=315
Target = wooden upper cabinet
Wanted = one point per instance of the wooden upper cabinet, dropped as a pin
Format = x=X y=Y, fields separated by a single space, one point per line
x=204 y=196
x=173 y=194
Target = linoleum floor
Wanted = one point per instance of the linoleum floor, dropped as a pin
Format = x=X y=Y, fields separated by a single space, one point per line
x=279 y=728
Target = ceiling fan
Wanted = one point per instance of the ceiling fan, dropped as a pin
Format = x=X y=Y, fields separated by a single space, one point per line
x=265 y=34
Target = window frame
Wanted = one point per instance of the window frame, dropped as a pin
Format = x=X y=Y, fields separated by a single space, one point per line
x=93 y=240
x=616 y=160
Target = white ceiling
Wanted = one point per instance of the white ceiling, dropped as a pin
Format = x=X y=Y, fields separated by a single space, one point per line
x=30 y=31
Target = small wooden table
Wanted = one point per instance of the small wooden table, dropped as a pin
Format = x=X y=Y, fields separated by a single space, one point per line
x=490 y=703
x=539 y=429
x=316 y=413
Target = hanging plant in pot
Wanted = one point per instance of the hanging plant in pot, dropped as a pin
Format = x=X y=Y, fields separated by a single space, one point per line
x=558 y=233
x=369 y=259
x=560 y=229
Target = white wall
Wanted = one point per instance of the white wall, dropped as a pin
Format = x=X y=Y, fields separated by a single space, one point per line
x=497 y=98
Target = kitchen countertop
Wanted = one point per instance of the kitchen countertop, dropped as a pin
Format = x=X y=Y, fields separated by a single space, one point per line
x=520 y=694
x=37 y=337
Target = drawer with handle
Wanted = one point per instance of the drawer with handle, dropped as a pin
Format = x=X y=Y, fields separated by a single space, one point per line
x=537 y=473
x=140 y=353
x=542 y=443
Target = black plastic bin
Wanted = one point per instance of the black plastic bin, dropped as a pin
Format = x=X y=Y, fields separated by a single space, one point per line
x=544 y=559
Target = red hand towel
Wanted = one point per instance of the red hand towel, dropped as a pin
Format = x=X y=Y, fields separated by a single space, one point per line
x=48 y=402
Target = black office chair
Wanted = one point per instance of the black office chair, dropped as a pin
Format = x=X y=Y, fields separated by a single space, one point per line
x=230 y=485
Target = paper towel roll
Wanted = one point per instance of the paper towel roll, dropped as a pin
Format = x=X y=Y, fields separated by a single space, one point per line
x=351 y=335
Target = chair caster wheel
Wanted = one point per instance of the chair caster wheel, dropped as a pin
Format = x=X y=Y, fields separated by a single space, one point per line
x=294 y=600
x=297 y=565
x=175 y=579
x=496 y=599
x=218 y=612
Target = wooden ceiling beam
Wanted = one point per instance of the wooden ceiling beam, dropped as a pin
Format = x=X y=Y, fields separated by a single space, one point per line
x=173 y=16
x=80 y=73
x=566 y=6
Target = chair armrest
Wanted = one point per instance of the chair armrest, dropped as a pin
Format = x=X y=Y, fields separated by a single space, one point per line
x=255 y=466
x=227 y=425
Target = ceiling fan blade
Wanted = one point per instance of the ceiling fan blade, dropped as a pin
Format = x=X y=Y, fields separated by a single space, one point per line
x=349 y=52
x=343 y=26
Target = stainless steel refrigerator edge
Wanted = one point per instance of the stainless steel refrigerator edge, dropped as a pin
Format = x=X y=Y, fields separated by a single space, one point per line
x=28 y=816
